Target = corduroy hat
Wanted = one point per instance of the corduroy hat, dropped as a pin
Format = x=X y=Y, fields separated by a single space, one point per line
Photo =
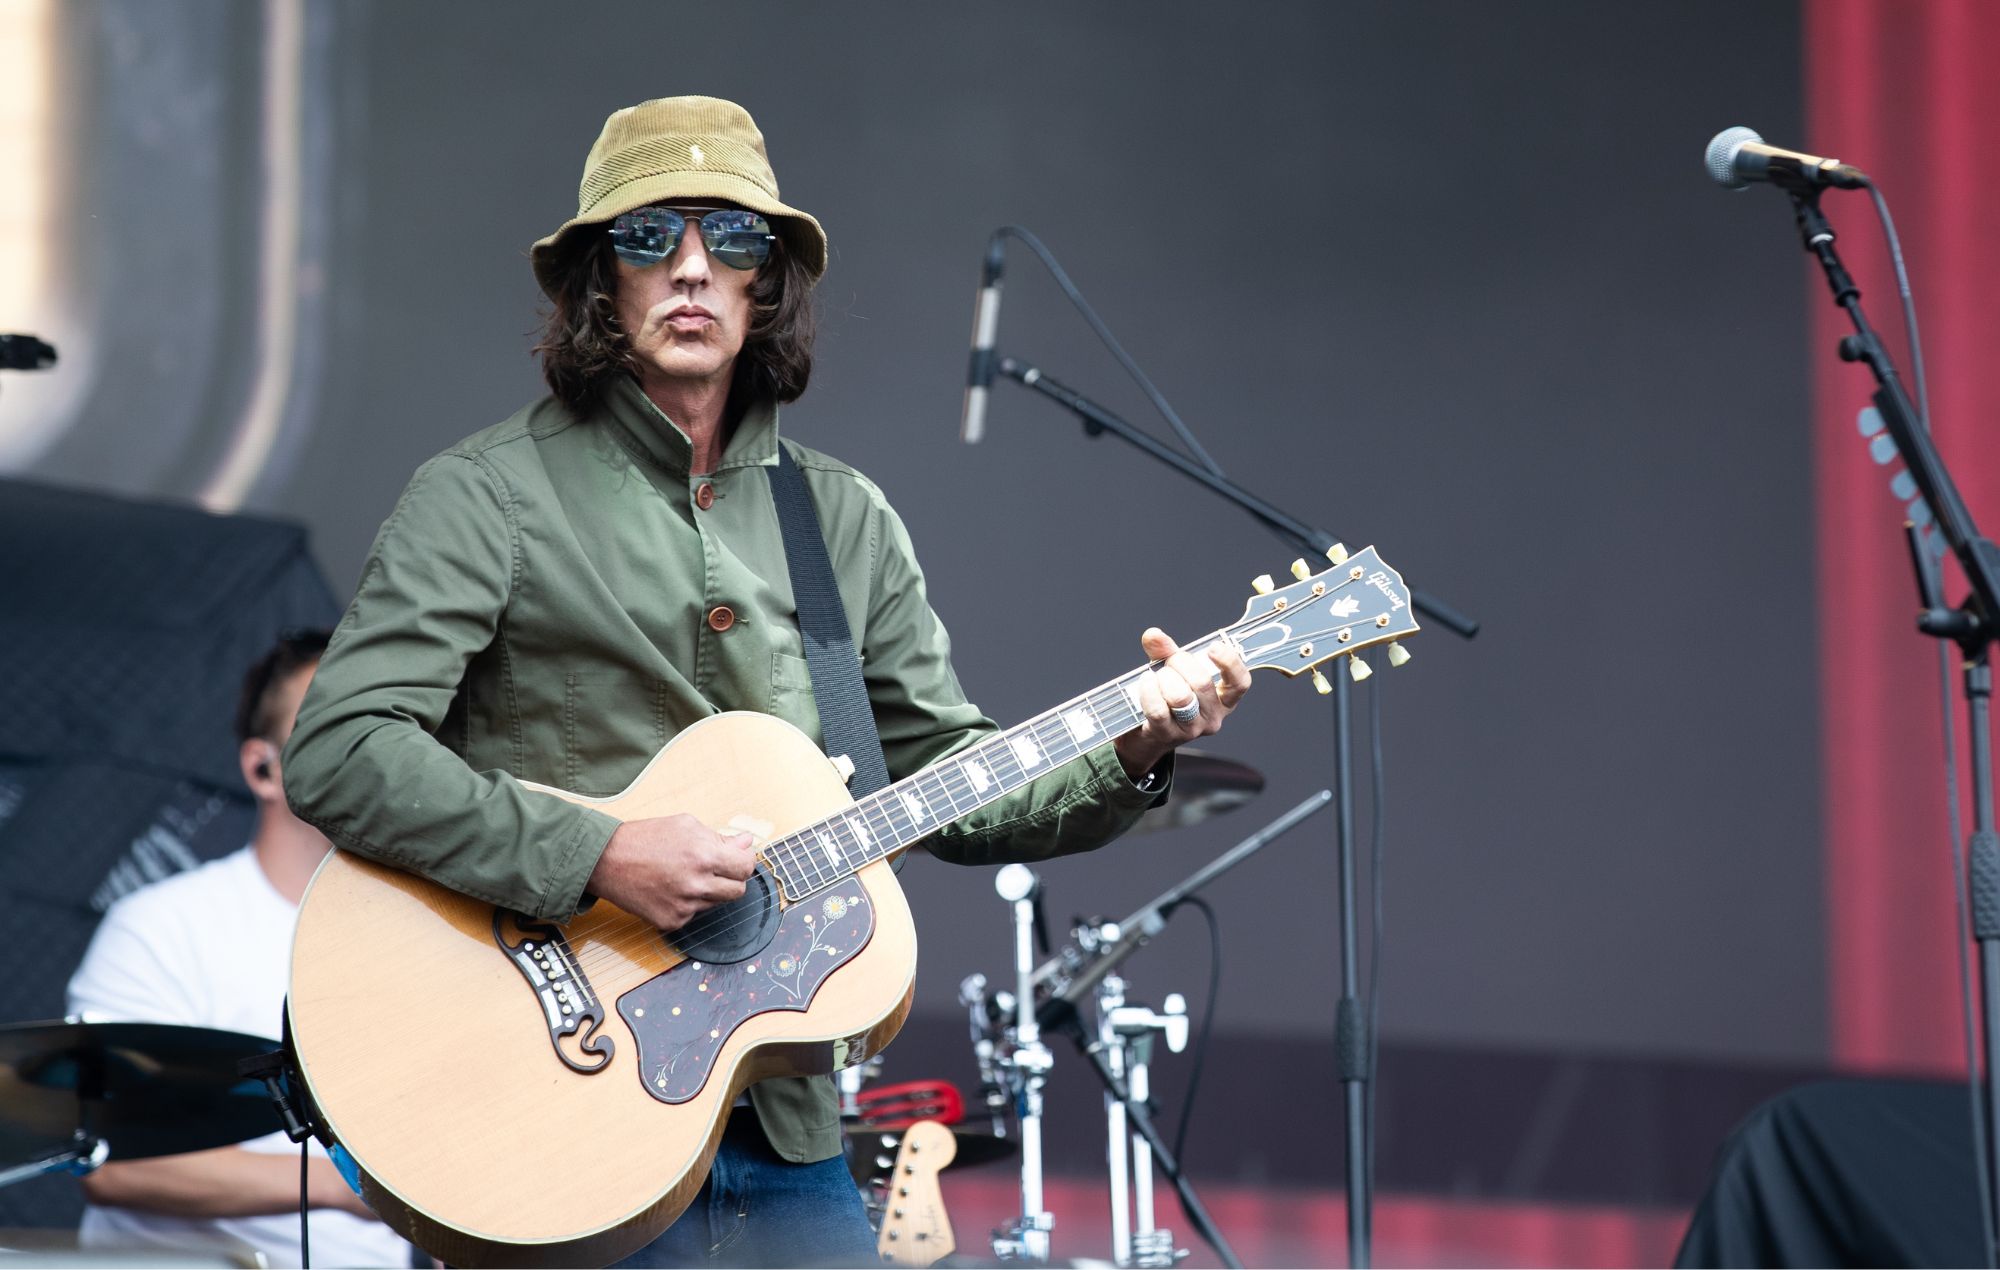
x=682 y=148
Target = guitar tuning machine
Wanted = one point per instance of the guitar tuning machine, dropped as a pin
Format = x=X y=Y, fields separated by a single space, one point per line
x=1320 y=683
x=1398 y=655
x=1262 y=584
x=1359 y=669
x=1301 y=570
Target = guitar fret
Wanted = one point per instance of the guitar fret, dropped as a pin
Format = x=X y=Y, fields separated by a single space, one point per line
x=894 y=817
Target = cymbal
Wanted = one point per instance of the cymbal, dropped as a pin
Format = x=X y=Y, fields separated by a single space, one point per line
x=146 y=1088
x=1204 y=785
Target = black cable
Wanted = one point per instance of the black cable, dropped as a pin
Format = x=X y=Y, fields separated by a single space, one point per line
x=1200 y=1054
x=1375 y=922
x=1153 y=394
x=305 y=1236
x=1956 y=824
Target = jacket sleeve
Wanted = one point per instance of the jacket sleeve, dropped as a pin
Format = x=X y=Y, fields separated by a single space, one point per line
x=923 y=716
x=364 y=764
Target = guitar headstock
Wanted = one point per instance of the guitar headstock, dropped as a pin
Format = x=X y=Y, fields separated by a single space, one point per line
x=1356 y=603
x=915 y=1230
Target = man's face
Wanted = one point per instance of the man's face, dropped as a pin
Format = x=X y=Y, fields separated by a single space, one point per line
x=686 y=316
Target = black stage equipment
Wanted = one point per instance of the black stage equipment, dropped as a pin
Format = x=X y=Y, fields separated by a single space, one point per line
x=25 y=352
x=1844 y=1173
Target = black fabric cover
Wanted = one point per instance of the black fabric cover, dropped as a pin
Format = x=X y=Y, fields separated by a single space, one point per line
x=1845 y=1173
x=125 y=629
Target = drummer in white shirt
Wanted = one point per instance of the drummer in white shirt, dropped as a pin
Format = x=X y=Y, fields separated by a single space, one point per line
x=212 y=948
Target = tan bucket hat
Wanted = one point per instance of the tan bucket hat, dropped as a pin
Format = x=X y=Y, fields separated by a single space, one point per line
x=682 y=148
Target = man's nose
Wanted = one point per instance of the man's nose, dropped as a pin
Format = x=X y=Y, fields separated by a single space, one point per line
x=691 y=264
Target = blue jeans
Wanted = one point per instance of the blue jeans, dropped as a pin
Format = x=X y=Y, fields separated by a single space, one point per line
x=757 y=1209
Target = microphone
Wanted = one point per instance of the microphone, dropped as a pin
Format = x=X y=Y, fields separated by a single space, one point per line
x=985 y=323
x=1738 y=156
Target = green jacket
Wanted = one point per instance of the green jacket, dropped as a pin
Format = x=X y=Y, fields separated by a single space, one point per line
x=542 y=604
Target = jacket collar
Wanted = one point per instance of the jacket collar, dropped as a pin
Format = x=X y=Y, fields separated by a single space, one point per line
x=754 y=443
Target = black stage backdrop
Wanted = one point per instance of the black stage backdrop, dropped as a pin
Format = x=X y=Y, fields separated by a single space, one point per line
x=1444 y=277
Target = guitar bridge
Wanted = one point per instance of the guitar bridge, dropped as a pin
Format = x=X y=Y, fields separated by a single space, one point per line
x=541 y=952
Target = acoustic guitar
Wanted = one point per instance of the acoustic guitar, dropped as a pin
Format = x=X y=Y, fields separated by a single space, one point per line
x=518 y=1092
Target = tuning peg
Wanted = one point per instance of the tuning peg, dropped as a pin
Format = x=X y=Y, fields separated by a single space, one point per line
x=1301 y=570
x=1320 y=683
x=1398 y=655
x=1358 y=668
x=1262 y=584
x=1337 y=553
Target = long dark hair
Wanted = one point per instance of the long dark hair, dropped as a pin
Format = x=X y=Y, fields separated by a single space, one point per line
x=581 y=345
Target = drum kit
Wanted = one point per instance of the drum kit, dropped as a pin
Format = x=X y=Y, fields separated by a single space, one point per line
x=72 y=1093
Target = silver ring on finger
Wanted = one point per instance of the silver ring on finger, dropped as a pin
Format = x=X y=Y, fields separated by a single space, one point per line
x=1185 y=713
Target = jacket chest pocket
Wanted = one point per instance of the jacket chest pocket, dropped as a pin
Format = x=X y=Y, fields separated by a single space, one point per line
x=791 y=696
x=613 y=723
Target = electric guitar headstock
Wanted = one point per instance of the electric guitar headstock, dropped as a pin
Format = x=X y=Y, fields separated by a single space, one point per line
x=1357 y=603
x=915 y=1230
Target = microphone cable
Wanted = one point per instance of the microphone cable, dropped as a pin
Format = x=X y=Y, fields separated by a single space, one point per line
x=1110 y=341
x=305 y=1233
x=1200 y=1055
x=1375 y=787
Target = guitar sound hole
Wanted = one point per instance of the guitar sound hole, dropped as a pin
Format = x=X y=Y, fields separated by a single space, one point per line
x=735 y=931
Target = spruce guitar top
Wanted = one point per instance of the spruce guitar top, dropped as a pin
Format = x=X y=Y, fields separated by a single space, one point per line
x=518 y=1092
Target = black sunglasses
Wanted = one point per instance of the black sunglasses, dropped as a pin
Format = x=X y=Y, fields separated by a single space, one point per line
x=648 y=235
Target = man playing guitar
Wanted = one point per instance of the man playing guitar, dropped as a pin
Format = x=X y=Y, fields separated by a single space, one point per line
x=555 y=598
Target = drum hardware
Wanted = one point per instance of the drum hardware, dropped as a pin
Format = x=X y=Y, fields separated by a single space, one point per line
x=1126 y=1032
x=1014 y=1062
x=1025 y=1062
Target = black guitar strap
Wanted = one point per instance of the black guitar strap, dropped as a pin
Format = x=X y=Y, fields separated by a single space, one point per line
x=845 y=718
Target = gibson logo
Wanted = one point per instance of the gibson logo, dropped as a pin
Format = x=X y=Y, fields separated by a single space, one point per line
x=1380 y=581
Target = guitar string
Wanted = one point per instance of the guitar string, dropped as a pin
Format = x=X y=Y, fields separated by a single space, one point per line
x=612 y=945
x=616 y=945
x=631 y=934
x=947 y=776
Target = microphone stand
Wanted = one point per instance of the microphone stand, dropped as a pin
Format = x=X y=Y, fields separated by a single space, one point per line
x=1970 y=626
x=1351 y=1042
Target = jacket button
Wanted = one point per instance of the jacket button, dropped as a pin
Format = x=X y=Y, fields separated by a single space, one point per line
x=721 y=617
x=704 y=497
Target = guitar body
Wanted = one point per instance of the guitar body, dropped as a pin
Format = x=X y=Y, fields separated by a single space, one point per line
x=521 y=1093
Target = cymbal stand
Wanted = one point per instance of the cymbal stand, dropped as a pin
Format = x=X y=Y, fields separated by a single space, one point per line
x=1125 y=1034
x=1026 y=1063
x=83 y=1154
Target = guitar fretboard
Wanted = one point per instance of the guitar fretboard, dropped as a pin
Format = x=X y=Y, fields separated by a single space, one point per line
x=891 y=819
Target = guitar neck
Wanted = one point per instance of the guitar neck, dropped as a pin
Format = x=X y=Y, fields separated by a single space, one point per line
x=892 y=819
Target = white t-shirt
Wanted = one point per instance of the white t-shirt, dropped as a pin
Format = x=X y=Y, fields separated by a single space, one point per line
x=211 y=948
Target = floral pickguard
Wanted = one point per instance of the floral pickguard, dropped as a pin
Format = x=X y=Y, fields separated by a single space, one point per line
x=681 y=1018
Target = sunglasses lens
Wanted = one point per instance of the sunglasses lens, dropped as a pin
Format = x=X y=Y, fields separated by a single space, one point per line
x=739 y=239
x=647 y=236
